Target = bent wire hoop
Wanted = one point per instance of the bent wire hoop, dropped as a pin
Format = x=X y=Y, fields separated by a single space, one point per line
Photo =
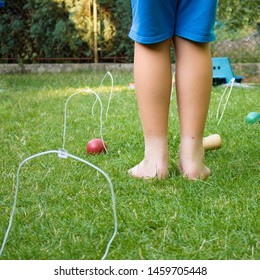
x=230 y=84
x=108 y=74
x=63 y=154
x=100 y=116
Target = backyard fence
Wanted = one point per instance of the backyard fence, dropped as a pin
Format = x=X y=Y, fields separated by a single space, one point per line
x=238 y=45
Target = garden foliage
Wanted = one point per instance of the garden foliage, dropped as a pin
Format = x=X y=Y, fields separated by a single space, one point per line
x=34 y=29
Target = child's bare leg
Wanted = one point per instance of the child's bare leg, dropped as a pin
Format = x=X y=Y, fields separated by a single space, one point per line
x=193 y=86
x=152 y=71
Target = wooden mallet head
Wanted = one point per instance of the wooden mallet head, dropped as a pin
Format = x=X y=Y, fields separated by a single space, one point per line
x=212 y=142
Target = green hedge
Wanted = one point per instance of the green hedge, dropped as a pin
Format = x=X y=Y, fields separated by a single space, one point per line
x=34 y=29
x=40 y=28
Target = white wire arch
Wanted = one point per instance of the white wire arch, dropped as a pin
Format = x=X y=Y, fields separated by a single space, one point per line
x=62 y=154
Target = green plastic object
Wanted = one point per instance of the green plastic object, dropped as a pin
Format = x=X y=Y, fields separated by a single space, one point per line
x=253 y=117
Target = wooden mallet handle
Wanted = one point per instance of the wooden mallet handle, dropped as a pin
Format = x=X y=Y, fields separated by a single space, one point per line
x=212 y=142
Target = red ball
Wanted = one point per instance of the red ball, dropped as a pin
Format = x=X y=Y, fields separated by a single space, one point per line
x=96 y=146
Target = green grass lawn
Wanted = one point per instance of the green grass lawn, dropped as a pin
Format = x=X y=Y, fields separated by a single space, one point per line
x=64 y=207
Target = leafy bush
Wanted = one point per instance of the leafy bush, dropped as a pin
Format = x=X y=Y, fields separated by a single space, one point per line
x=38 y=28
x=64 y=29
x=34 y=29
